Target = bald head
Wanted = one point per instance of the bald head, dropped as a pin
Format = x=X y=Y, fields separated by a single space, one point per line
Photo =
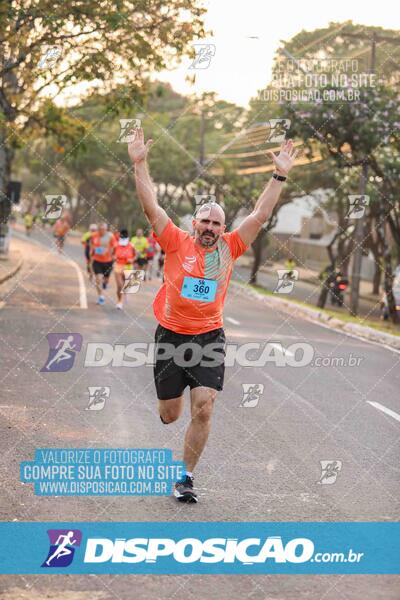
x=208 y=224
x=212 y=211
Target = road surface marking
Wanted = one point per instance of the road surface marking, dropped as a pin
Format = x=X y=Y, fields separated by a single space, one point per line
x=233 y=321
x=82 y=287
x=281 y=349
x=81 y=281
x=389 y=412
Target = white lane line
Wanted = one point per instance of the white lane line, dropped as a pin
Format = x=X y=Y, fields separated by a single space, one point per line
x=280 y=348
x=82 y=287
x=389 y=412
x=233 y=321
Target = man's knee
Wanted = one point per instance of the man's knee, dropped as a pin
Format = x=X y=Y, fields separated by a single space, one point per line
x=167 y=419
x=170 y=410
x=202 y=410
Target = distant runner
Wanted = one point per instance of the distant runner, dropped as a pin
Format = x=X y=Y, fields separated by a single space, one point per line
x=189 y=304
x=60 y=230
x=85 y=240
x=28 y=222
x=102 y=247
x=141 y=244
x=124 y=258
x=150 y=254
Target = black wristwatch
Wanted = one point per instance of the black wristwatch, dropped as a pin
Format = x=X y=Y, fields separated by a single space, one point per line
x=278 y=177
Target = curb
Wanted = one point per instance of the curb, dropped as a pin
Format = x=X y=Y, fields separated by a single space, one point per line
x=13 y=271
x=313 y=314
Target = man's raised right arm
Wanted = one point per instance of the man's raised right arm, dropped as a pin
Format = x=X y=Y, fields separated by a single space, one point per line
x=138 y=151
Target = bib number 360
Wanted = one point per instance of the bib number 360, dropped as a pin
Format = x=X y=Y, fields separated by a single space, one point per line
x=196 y=288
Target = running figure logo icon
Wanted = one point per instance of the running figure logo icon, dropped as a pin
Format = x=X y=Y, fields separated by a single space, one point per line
x=126 y=126
x=358 y=204
x=204 y=54
x=54 y=206
x=278 y=130
x=49 y=57
x=62 y=547
x=97 y=397
x=286 y=279
x=62 y=350
x=330 y=470
x=133 y=280
x=251 y=394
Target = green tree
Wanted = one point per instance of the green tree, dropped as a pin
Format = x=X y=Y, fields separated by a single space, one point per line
x=48 y=47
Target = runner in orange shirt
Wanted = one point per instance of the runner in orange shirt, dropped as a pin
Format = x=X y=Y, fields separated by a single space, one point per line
x=102 y=247
x=124 y=258
x=190 y=302
x=60 y=230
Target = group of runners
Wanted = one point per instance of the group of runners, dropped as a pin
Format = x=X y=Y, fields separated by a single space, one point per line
x=107 y=251
x=189 y=304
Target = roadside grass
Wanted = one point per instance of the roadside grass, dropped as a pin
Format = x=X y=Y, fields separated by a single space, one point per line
x=384 y=326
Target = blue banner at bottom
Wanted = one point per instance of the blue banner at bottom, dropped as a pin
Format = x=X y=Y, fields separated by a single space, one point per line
x=215 y=548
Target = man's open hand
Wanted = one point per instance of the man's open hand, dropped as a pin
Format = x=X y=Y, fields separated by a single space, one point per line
x=284 y=161
x=137 y=149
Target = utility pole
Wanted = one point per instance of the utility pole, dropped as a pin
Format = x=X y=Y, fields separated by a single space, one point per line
x=359 y=229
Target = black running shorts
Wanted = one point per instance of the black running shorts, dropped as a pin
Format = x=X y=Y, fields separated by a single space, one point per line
x=102 y=268
x=141 y=261
x=178 y=363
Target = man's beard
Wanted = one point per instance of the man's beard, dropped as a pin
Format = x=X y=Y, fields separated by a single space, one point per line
x=207 y=242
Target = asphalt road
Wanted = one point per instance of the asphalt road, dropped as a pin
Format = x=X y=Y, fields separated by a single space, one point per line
x=261 y=463
x=309 y=292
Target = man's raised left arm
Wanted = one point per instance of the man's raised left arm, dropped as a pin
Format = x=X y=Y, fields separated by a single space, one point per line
x=251 y=225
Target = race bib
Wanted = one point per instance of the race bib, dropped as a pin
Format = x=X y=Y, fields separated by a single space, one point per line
x=196 y=288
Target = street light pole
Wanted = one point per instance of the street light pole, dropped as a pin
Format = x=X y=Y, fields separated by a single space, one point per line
x=359 y=229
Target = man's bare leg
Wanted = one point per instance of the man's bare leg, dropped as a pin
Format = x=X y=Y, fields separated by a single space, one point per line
x=98 y=281
x=202 y=403
x=170 y=410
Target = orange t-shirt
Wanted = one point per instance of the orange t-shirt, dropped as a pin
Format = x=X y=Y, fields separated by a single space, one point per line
x=61 y=227
x=186 y=259
x=124 y=254
x=102 y=246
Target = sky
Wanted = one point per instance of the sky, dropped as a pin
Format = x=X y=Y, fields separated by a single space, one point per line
x=242 y=66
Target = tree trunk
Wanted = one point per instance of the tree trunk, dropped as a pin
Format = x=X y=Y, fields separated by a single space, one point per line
x=376 y=282
x=257 y=247
x=388 y=273
x=6 y=156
